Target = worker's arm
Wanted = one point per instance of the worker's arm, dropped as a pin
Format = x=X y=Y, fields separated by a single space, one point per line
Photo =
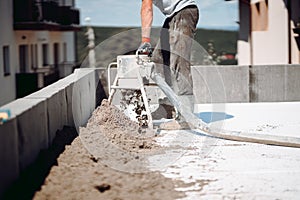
x=146 y=18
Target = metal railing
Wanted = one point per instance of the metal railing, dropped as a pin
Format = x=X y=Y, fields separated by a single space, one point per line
x=29 y=82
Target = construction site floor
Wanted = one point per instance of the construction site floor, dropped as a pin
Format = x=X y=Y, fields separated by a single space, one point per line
x=200 y=167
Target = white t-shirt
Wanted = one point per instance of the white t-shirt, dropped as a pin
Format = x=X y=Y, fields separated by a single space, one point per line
x=170 y=7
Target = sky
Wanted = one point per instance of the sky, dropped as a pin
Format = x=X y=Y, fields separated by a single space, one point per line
x=213 y=13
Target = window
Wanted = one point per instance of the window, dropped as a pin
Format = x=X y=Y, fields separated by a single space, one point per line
x=6 y=63
x=23 y=58
x=260 y=12
x=45 y=54
x=65 y=52
x=56 y=54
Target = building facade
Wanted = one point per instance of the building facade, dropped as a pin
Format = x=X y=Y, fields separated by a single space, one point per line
x=269 y=32
x=37 y=44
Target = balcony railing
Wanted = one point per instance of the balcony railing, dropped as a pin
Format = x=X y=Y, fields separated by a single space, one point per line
x=29 y=82
x=68 y=15
x=30 y=14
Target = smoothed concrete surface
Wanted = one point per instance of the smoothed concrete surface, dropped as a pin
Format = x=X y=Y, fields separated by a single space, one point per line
x=223 y=169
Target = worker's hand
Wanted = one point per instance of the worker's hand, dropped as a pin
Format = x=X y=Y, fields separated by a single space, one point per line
x=145 y=48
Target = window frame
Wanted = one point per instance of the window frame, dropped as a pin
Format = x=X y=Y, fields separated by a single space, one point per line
x=6 y=60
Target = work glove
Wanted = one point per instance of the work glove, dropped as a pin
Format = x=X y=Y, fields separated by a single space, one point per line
x=145 y=48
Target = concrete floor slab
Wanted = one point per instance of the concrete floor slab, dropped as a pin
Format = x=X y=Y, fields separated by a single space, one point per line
x=222 y=169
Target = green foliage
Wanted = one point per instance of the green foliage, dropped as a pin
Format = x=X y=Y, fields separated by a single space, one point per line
x=223 y=41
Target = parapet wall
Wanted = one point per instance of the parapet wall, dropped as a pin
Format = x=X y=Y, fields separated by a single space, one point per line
x=70 y=101
x=36 y=118
x=234 y=84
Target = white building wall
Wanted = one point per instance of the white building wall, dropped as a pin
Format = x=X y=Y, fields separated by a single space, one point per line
x=32 y=37
x=50 y=38
x=271 y=46
x=13 y=39
x=7 y=83
x=54 y=37
x=69 y=38
x=243 y=53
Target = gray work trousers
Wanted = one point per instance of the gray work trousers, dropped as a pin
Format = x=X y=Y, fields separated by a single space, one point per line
x=173 y=50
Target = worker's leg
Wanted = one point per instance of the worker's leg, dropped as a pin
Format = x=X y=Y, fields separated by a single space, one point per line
x=182 y=30
x=172 y=53
x=161 y=53
x=161 y=58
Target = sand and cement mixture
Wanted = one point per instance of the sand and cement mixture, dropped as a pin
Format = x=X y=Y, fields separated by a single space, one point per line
x=111 y=123
x=78 y=176
x=106 y=161
x=115 y=140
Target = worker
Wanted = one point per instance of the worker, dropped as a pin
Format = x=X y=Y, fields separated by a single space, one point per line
x=173 y=50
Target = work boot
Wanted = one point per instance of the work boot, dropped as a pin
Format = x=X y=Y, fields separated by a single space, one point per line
x=165 y=110
x=186 y=105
